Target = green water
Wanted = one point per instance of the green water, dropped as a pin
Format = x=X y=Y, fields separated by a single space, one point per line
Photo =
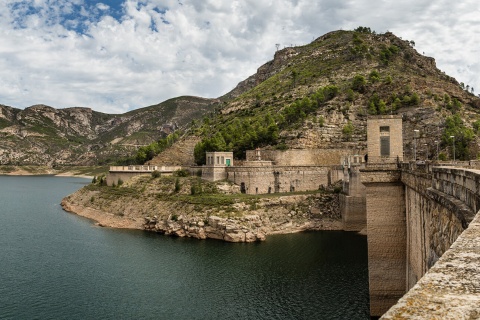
x=55 y=265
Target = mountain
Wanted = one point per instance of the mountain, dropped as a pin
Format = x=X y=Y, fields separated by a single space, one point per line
x=314 y=96
x=42 y=135
x=320 y=95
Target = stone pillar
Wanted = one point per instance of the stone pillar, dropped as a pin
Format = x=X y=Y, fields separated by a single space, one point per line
x=353 y=202
x=386 y=229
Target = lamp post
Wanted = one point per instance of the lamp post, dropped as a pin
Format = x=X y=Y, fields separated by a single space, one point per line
x=453 y=148
x=436 y=141
x=415 y=144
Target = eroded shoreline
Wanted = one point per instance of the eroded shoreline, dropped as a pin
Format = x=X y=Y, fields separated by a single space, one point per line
x=243 y=220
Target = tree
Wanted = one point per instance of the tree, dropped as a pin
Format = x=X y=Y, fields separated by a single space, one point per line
x=294 y=77
x=364 y=30
x=358 y=83
x=374 y=76
x=177 y=185
x=347 y=131
x=463 y=136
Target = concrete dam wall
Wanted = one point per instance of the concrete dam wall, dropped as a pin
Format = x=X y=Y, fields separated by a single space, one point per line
x=423 y=238
x=442 y=245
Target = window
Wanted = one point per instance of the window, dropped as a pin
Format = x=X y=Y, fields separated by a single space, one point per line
x=384 y=129
x=385 y=146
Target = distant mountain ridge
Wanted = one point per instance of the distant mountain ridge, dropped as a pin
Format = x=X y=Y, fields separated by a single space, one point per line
x=42 y=135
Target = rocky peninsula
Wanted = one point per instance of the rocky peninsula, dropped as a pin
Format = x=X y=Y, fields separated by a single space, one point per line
x=191 y=207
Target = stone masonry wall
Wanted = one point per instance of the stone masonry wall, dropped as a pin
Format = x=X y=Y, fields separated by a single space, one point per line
x=395 y=134
x=386 y=232
x=451 y=288
x=433 y=222
x=276 y=179
x=437 y=242
x=301 y=157
x=353 y=201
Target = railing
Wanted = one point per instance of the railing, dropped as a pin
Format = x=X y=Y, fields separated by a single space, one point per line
x=144 y=168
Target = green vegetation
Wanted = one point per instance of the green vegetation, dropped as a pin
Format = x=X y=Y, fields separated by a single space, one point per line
x=177 y=185
x=463 y=136
x=347 y=131
x=147 y=153
x=364 y=30
x=181 y=173
x=388 y=53
x=358 y=83
x=252 y=131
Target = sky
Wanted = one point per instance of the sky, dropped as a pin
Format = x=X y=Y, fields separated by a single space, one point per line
x=118 y=55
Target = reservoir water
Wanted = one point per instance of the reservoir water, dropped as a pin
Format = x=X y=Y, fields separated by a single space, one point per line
x=56 y=265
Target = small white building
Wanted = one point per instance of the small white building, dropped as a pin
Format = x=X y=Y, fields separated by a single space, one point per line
x=216 y=162
x=219 y=159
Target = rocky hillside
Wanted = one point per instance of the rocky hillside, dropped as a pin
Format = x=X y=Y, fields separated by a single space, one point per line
x=313 y=96
x=319 y=96
x=42 y=135
x=191 y=207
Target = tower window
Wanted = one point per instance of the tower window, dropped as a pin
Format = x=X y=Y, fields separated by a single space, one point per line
x=385 y=146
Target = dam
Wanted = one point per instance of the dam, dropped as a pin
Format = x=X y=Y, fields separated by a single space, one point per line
x=422 y=225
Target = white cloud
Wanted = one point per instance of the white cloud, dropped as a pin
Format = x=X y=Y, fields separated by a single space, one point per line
x=102 y=6
x=69 y=53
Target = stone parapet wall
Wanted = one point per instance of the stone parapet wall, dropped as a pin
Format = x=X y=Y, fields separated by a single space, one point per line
x=432 y=229
x=435 y=218
x=451 y=288
x=302 y=157
x=443 y=244
x=462 y=184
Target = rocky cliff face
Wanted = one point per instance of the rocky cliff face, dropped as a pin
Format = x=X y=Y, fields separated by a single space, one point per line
x=219 y=213
x=374 y=74
x=42 y=135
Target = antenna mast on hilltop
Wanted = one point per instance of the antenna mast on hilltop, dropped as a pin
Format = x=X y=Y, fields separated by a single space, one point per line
x=277 y=45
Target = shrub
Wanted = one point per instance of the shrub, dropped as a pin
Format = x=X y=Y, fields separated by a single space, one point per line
x=374 y=76
x=156 y=174
x=348 y=130
x=350 y=95
x=181 y=173
x=177 y=185
x=358 y=83
x=321 y=121
x=337 y=189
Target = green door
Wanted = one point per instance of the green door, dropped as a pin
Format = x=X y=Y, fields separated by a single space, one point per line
x=227 y=162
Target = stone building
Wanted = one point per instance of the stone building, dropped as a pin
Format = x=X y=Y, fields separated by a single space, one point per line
x=293 y=170
x=214 y=169
x=384 y=139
